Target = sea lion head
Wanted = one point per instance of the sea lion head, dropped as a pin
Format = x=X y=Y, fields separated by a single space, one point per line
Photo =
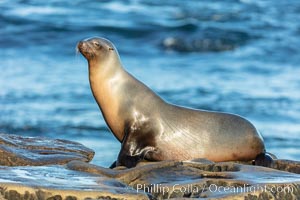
x=96 y=49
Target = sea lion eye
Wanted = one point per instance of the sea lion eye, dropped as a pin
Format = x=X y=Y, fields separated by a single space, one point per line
x=96 y=44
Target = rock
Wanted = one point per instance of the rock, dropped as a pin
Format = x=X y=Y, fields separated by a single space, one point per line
x=192 y=179
x=196 y=45
x=209 y=40
x=287 y=165
x=200 y=178
x=20 y=151
x=58 y=183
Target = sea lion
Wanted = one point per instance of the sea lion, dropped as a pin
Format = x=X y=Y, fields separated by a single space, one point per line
x=150 y=128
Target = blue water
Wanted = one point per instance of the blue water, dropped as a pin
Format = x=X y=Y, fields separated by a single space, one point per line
x=238 y=56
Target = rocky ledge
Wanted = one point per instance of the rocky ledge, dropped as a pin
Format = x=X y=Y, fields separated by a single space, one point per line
x=41 y=168
x=21 y=151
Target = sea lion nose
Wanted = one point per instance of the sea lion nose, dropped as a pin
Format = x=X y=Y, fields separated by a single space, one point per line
x=80 y=44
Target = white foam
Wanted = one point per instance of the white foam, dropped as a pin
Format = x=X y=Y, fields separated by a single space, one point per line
x=23 y=174
x=31 y=10
x=122 y=7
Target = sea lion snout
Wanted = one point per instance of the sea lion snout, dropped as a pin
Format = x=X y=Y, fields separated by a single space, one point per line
x=84 y=48
x=79 y=45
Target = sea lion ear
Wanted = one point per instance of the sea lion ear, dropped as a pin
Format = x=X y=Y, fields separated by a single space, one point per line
x=110 y=48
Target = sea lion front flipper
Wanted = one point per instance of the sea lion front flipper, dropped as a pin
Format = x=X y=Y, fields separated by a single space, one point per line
x=135 y=155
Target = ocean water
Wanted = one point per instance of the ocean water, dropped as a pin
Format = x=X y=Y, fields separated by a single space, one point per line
x=238 y=56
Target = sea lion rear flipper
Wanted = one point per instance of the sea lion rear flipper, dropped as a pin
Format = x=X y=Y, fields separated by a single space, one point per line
x=264 y=160
x=113 y=165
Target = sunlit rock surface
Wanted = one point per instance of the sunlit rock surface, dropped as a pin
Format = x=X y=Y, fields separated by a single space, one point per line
x=228 y=180
x=199 y=179
x=20 y=151
x=57 y=182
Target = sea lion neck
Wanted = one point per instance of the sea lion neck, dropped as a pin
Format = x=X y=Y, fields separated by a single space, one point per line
x=105 y=68
x=104 y=80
